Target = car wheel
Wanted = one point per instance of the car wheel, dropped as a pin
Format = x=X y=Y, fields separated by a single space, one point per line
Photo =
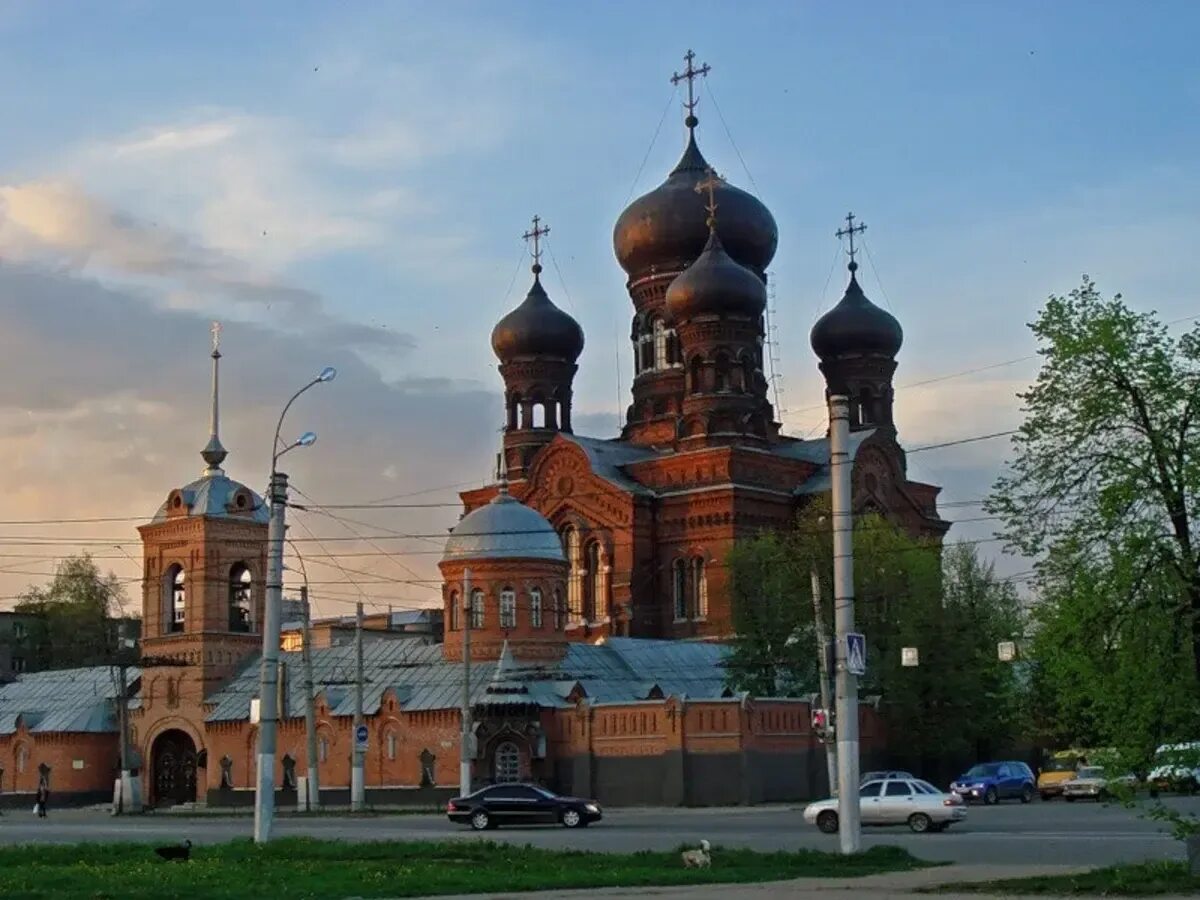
x=480 y=820
x=990 y=797
x=828 y=821
x=571 y=818
x=1026 y=794
x=919 y=822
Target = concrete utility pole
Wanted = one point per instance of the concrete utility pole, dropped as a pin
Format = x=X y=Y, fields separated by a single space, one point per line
x=129 y=794
x=264 y=798
x=310 y=710
x=464 y=769
x=849 y=826
x=822 y=657
x=358 y=800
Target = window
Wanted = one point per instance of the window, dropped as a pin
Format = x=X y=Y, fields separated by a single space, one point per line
x=591 y=582
x=747 y=374
x=508 y=608
x=870 y=789
x=455 y=612
x=898 y=789
x=699 y=589
x=508 y=762
x=560 y=611
x=697 y=373
x=477 y=608
x=678 y=588
x=535 y=607
x=173 y=599
x=574 y=551
x=391 y=745
x=239 y=599
x=18 y=664
x=722 y=372
x=660 y=344
x=19 y=630
x=646 y=347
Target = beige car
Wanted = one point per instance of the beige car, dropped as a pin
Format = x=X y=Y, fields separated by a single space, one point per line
x=894 y=801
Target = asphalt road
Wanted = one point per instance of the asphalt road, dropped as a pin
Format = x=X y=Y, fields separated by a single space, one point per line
x=1040 y=833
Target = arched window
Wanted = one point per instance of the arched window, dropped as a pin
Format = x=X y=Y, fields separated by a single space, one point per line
x=747 y=374
x=574 y=550
x=697 y=375
x=508 y=762
x=391 y=742
x=699 y=588
x=660 y=344
x=560 y=611
x=508 y=608
x=477 y=608
x=646 y=350
x=240 y=606
x=866 y=407
x=535 y=607
x=722 y=372
x=22 y=759
x=679 y=590
x=173 y=599
x=539 y=413
x=514 y=405
x=673 y=356
x=593 y=596
x=455 y=611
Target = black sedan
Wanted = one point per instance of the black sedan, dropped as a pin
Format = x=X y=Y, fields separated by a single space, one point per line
x=521 y=804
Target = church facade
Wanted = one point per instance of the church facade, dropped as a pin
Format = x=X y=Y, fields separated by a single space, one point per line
x=591 y=577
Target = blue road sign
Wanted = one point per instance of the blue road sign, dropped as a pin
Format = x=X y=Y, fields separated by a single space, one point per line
x=856 y=653
x=360 y=737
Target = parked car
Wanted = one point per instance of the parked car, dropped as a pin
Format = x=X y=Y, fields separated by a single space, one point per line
x=894 y=801
x=1176 y=768
x=1057 y=770
x=995 y=781
x=881 y=776
x=521 y=804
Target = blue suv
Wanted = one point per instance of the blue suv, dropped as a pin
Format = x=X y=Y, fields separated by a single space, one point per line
x=995 y=781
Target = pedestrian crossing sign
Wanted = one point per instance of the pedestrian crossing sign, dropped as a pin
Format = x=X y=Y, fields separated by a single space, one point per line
x=856 y=653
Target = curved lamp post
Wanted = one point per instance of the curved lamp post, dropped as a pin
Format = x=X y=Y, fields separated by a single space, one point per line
x=264 y=792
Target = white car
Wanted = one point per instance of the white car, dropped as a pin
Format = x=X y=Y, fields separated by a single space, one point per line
x=894 y=801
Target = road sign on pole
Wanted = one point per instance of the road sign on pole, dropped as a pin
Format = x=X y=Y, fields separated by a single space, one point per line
x=360 y=737
x=856 y=653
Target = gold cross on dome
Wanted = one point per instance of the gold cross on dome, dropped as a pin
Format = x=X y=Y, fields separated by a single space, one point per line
x=690 y=74
x=850 y=231
x=216 y=336
x=535 y=234
x=709 y=185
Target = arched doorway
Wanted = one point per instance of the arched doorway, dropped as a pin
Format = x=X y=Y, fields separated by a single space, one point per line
x=506 y=764
x=174 y=766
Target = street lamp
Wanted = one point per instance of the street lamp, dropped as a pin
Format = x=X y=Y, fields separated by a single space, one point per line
x=264 y=791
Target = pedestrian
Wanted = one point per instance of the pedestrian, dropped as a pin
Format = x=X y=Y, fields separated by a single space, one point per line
x=41 y=799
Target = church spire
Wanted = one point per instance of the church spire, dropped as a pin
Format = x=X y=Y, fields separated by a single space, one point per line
x=849 y=232
x=690 y=74
x=502 y=469
x=214 y=453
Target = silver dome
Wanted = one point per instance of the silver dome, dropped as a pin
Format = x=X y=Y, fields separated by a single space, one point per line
x=214 y=496
x=504 y=529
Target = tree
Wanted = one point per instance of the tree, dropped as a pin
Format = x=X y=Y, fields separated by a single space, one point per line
x=1107 y=460
x=74 y=624
x=908 y=593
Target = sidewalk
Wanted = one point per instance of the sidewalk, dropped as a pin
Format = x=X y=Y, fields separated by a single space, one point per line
x=889 y=886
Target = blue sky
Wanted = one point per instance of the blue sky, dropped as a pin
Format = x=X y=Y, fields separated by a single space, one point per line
x=350 y=182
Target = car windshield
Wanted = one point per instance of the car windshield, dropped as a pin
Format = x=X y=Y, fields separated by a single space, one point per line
x=550 y=795
x=986 y=770
x=924 y=787
x=1091 y=772
x=1060 y=765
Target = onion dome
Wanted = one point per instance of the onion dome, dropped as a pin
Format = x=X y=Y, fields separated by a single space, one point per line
x=856 y=326
x=715 y=284
x=537 y=328
x=665 y=230
x=503 y=529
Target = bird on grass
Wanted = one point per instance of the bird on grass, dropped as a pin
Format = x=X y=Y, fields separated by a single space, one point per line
x=176 y=852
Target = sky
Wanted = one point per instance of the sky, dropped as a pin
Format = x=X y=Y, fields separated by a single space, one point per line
x=347 y=184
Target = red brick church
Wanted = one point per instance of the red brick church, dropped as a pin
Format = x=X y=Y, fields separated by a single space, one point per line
x=591 y=575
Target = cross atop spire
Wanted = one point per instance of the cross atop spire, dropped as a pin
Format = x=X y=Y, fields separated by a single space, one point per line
x=849 y=232
x=214 y=453
x=535 y=234
x=690 y=74
x=709 y=185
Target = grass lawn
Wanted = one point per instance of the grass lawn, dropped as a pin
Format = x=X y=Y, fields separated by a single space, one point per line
x=303 y=867
x=1134 y=880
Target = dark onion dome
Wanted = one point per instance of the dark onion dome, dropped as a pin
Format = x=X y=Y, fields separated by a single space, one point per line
x=665 y=229
x=715 y=284
x=537 y=328
x=856 y=326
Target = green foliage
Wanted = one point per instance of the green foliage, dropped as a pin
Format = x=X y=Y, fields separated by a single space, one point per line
x=1131 y=880
x=307 y=868
x=74 y=626
x=908 y=593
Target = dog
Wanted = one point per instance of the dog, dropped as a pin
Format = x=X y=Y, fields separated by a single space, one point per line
x=697 y=859
x=176 y=853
